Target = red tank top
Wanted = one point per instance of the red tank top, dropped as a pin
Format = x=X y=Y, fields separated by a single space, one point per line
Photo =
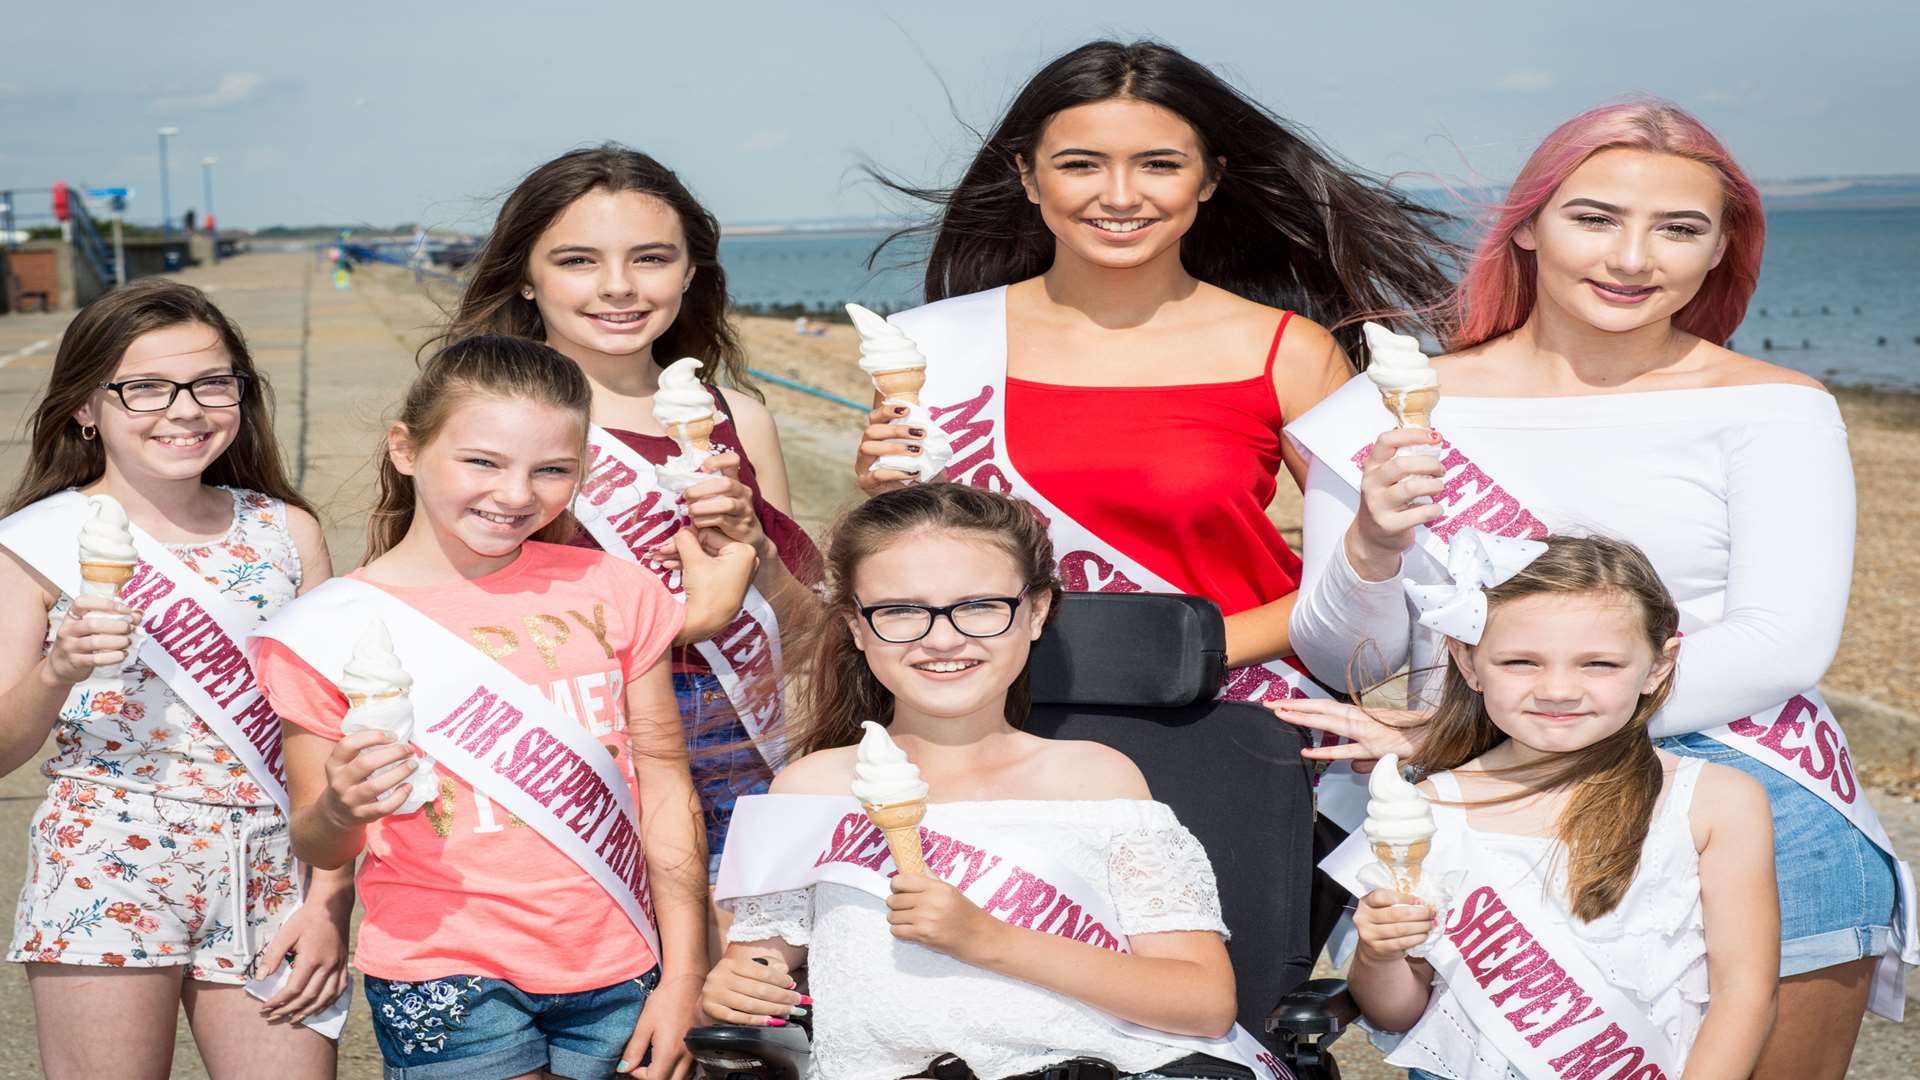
x=1178 y=477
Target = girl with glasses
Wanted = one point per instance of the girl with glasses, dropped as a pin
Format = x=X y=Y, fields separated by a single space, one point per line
x=936 y=594
x=160 y=873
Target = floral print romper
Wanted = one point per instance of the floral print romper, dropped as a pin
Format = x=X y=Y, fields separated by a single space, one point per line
x=154 y=846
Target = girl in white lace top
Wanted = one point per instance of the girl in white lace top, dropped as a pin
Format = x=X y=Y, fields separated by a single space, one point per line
x=1592 y=887
x=1063 y=913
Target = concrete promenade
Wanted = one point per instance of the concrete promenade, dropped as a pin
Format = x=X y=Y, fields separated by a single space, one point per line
x=338 y=361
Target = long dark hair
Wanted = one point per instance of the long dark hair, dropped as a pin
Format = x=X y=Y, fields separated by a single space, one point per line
x=1289 y=225
x=89 y=354
x=1616 y=781
x=492 y=303
x=836 y=690
x=491 y=365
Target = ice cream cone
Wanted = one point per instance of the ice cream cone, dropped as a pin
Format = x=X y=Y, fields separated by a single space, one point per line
x=694 y=434
x=1404 y=861
x=901 y=384
x=901 y=823
x=1412 y=408
x=357 y=700
x=114 y=574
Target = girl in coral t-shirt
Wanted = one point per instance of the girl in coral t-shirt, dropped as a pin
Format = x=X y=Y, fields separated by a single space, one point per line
x=488 y=951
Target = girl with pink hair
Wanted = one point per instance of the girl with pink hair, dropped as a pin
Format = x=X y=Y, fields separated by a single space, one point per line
x=1586 y=389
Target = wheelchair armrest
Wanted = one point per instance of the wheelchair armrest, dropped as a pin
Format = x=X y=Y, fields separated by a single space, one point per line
x=1317 y=1007
x=729 y=1049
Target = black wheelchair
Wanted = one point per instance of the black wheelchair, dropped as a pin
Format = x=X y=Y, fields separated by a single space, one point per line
x=1138 y=672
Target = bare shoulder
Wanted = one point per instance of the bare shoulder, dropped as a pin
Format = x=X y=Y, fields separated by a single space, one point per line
x=1724 y=367
x=1091 y=770
x=823 y=772
x=305 y=528
x=1725 y=796
x=311 y=541
x=1309 y=365
x=746 y=409
x=23 y=586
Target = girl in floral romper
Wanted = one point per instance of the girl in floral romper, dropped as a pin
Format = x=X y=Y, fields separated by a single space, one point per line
x=159 y=871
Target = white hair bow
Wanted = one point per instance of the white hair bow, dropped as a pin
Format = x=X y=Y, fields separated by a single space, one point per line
x=1476 y=561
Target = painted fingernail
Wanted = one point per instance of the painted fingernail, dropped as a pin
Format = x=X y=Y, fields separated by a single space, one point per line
x=805 y=1000
x=918 y=433
x=899 y=410
x=774 y=1021
x=796 y=1011
x=913 y=449
x=624 y=1066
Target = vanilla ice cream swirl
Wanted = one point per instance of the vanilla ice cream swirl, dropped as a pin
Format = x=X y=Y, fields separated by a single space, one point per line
x=1396 y=811
x=1395 y=362
x=882 y=775
x=883 y=346
x=682 y=397
x=106 y=535
x=374 y=669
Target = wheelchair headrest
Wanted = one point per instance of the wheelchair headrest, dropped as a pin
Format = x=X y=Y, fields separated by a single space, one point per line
x=1145 y=650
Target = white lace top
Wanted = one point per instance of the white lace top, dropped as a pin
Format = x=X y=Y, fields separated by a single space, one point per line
x=884 y=1008
x=1653 y=946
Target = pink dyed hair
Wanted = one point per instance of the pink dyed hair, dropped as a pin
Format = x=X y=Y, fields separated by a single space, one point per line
x=1496 y=294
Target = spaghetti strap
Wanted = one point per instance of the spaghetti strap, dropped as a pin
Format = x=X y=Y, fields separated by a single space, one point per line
x=1274 y=349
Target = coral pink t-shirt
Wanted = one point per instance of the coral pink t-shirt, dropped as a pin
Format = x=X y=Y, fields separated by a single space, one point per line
x=462 y=887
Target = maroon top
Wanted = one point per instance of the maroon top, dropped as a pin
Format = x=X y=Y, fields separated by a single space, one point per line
x=796 y=548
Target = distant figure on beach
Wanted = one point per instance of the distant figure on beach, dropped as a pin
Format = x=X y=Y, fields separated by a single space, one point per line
x=1651 y=433
x=1116 y=192
x=805 y=327
x=160 y=874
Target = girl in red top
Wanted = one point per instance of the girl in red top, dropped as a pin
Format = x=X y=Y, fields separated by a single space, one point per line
x=606 y=256
x=1153 y=231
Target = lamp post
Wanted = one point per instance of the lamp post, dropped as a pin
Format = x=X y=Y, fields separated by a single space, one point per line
x=166 y=208
x=206 y=184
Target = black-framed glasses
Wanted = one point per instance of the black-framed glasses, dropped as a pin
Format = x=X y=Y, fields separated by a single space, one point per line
x=157 y=395
x=901 y=624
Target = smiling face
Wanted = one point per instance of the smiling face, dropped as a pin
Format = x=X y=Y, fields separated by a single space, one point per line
x=1118 y=182
x=495 y=473
x=608 y=274
x=181 y=441
x=1628 y=239
x=1562 y=671
x=946 y=673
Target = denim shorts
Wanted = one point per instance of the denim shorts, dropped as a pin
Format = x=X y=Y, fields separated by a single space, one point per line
x=477 y=1028
x=1837 y=889
x=720 y=777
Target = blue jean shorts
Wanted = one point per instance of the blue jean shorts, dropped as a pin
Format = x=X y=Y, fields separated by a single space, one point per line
x=721 y=776
x=1837 y=889
x=477 y=1028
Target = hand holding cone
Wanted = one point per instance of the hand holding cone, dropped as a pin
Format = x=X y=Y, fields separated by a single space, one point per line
x=893 y=795
x=376 y=688
x=107 y=557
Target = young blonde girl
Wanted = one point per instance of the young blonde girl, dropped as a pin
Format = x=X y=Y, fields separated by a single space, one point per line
x=159 y=868
x=1653 y=871
x=936 y=595
x=489 y=950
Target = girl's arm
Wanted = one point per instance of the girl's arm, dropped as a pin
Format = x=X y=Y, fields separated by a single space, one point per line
x=1178 y=982
x=96 y=631
x=762 y=438
x=674 y=845
x=1309 y=366
x=316 y=563
x=1733 y=828
x=1391 y=988
x=1786 y=586
x=753 y=983
x=335 y=792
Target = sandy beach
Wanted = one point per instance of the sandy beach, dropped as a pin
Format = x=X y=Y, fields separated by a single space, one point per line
x=339 y=360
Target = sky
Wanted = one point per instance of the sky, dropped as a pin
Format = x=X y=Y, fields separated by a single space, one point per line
x=428 y=111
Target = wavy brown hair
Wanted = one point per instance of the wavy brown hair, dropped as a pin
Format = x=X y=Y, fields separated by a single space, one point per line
x=1290 y=225
x=836 y=690
x=492 y=303
x=90 y=351
x=1616 y=781
x=489 y=366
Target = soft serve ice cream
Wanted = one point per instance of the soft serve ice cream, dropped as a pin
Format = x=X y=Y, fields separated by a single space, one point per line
x=893 y=795
x=1399 y=823
x=1407 y=382
x=107 y=557
x=899 y=372
x=684 y=407
x=376 y=687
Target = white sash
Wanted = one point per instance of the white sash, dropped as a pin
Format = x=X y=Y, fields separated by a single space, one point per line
x=192 y=637
x=779 y=843
x=623 y=506
x=1797 y=738
x=966 y=341
x=494 y=731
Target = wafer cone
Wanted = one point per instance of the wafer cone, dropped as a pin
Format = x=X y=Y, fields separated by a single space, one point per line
x=1404 y=860
x=695 y=434
x=357 y=700
x=901 y=384
x=901 y=823
x=1413 y=408
x=114 y=574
